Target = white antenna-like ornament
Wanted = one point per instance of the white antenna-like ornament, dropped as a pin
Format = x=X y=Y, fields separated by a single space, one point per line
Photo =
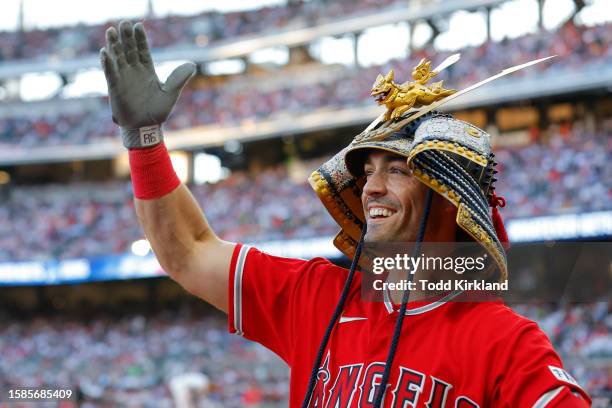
x=505 y=72
x=446 y=63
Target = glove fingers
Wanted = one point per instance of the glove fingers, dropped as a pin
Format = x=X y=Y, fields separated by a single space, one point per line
x=113 y=46
x=142 y=45
x=179 y=77
x=129 y=43
x=108 y=66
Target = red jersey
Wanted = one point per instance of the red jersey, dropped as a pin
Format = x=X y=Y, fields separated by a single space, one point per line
x=450 y=354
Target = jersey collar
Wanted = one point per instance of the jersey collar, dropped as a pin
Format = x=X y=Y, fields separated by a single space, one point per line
x=421 y=309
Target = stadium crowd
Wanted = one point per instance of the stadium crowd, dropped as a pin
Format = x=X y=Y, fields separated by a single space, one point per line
x=568 y=172
x=182 y=31
x=134 y=357
x=580 y=333
x=87 y=219
x=576 y=47
x=109 y=361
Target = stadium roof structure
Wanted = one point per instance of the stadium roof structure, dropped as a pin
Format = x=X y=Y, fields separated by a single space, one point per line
x=509 y=90
x=245 y=45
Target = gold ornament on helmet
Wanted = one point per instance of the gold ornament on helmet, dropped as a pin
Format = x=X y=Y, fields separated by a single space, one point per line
x=411 y=94
x=452 y=157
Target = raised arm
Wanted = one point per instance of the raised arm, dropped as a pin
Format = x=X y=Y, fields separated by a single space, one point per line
x=185 y=245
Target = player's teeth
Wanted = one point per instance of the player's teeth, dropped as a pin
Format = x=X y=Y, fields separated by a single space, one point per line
x=380 y=212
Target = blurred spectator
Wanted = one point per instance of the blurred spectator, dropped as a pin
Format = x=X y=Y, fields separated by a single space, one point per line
x=576 y=47
x=182 y=31
x=561 y=175
x=111 y=360
x=566 y=174
x=135 y=358
x=581 y=333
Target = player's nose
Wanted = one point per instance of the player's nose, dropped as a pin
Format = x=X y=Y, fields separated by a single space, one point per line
x=375 y=185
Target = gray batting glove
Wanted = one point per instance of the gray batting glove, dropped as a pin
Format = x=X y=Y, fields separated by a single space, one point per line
x=139 y=101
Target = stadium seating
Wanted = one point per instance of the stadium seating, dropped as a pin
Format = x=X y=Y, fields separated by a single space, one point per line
x=135 y=356
x=563 y=169
x=98 y=219
x=577 y=47
x=567 y=174
x=181 y=31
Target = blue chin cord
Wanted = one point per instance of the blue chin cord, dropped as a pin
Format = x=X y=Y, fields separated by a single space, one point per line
x=398 y=326
x=402 y=311
x=332 y=323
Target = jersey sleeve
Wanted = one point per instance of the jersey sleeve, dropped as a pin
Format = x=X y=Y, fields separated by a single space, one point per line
x=562 y=397
x=275 y=300
x=529 y=373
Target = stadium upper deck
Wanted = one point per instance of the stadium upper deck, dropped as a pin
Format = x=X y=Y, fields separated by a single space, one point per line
x=183 y=31
x=564 y=170
x=78 y=129
x=214 y=36
x=584 y=54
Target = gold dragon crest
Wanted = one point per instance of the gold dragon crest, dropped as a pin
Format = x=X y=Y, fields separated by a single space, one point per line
x=411 y=94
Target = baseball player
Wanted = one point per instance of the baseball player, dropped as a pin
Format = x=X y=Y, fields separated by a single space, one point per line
x=407 y=180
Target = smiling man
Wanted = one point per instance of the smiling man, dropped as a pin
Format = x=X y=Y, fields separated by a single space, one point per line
x=405 y=180
x=393 y=201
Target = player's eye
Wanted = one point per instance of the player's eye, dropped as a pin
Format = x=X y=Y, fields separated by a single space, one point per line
x=397 y=170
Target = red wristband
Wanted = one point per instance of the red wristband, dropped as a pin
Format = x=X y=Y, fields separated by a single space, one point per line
x=152 y=173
